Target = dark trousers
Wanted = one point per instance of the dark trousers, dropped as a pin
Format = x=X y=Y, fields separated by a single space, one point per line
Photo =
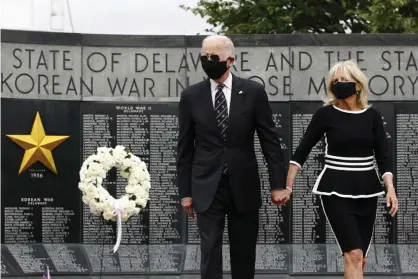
x=242 y=231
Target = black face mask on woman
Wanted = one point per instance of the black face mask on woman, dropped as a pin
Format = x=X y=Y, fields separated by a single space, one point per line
x=214 y=69
x=343 y=90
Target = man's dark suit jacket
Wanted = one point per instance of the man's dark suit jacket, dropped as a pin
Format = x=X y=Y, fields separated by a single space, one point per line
x=201 y=151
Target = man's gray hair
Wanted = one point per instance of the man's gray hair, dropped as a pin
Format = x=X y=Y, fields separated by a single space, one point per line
x=228 y=45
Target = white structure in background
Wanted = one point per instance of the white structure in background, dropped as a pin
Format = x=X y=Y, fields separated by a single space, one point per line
x=43 y=15
x=57 y=15
x=137 y=17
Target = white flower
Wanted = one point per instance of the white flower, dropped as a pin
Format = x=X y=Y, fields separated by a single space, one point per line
x=84 y=165
x=132 y=180
x=81 y=186
x=146 y=184
x=104 y=150
x=125 y=216
x=124 y=199
x=137 y=175
x=119 y=154
x=86 y=199
x=124 y=174
x=141 y=202
x=108 y=161
x=90 y=189
x=136 y=160
x=95 y=158
x=127 y=163
x=94 y=206
x=107 y=207
x=141 y=193
x=100 y=206
x=109 y=203
x=130 y=206
x=96 y=169
x=102 y=192
x=142 y=165
x=95 y=212
x=82 y=175
x=107 y=166
x=108 y=215
x=88 y=179
x=145 y=175
x=130 y=189
x=99 y=180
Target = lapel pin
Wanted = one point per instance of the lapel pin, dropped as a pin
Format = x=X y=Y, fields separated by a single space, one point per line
x=240 y=92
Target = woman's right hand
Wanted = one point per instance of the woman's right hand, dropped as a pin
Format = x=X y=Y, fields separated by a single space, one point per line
x=392 y=200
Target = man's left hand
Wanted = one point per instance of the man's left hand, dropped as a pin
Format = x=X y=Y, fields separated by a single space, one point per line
x=280 y=197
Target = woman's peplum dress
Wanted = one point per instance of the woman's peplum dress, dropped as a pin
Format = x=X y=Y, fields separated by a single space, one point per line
x=355 y=148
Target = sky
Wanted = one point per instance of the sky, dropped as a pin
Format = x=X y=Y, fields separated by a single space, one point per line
x=147 y=17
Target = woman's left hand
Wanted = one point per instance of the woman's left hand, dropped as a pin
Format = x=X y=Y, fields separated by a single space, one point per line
x=392 y=200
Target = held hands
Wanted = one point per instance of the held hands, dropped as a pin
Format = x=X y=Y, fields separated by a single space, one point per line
x=187 y=205
x=392 y=200
x=281 y=196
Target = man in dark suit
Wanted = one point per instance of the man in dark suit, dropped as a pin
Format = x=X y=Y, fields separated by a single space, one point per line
x=217 y=172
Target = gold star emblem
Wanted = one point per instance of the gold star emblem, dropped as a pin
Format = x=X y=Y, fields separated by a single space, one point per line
x=37 y=146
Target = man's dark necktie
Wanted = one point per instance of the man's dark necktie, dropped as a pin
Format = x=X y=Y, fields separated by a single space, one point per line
x=221 y=110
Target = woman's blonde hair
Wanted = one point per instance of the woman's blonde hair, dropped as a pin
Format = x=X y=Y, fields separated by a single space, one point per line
x=351 y=71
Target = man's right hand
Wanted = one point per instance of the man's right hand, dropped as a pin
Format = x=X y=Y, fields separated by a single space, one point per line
x=187 y=205
x=281 y=196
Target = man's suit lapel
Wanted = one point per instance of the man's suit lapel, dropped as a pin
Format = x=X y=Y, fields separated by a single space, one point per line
x=236 y=99
x=208 y=108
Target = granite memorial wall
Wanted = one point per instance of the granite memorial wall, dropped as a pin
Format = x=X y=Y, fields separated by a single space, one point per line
x=102 y=90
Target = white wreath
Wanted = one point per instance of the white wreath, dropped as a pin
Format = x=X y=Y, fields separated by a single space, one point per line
x=94 y=170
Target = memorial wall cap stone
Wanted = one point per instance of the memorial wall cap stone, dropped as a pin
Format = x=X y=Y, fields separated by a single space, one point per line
x=59 y=38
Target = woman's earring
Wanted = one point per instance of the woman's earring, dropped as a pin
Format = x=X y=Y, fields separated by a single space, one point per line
x=358 y=96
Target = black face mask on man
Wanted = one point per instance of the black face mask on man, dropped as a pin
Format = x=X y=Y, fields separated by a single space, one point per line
x=343 y=90
x=214 y=69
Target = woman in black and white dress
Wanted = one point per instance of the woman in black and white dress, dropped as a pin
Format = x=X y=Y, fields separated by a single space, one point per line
x=356 y=154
